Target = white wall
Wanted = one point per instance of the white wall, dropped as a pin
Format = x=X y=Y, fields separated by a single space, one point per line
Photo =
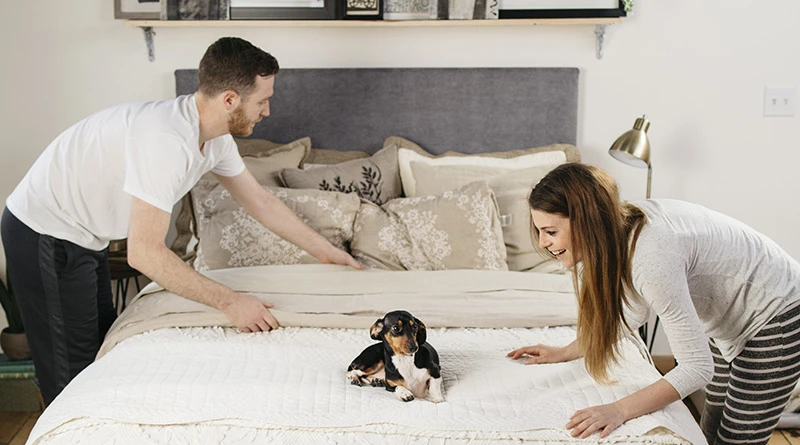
x=697 y=68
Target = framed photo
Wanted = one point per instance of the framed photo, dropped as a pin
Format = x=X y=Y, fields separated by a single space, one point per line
x=195 y=9
x=137 y=9
x=363 y=9
x=559 y=9
x=285 y=9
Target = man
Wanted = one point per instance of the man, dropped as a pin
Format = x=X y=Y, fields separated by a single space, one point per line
x=117 y=174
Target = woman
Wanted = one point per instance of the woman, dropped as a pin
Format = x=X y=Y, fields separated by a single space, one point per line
x=729 y=299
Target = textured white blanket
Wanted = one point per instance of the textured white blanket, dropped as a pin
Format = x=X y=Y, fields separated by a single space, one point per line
x=289 y=385
x=158 y=384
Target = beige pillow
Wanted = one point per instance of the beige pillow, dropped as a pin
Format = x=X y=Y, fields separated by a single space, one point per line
x=328 y=156
x=229 y=237
x=458 y=229
x=265 y=165
x=570 y=151
x=374 y=178
x=406 y=156
x=510 y=160
x=257 y=147
x=264 y=159
x=511 y=189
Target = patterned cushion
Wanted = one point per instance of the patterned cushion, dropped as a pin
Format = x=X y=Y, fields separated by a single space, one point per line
x=264 y=159
x=458 y=229
x=229 y=237
x=511 y=188
x=375 y=178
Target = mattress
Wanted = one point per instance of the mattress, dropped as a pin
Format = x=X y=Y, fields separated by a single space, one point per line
x=215 y=384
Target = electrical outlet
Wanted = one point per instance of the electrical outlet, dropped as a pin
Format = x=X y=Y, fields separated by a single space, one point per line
x=780 y=101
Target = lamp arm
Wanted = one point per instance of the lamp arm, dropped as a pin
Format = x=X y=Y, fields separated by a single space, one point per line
x=649 y=177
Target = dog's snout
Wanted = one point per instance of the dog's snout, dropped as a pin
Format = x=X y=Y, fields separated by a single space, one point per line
x=412 y=346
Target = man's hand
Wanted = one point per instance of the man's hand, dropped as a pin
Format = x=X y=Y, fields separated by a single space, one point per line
x=250 y=314
x=603 y=418
x=532 y=355
x=338 y=256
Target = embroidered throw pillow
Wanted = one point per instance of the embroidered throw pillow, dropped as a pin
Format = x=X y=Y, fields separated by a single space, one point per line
x=264 y=159
x=229 y=237
x=375 y=178
x=511 y=189
x=458 y=229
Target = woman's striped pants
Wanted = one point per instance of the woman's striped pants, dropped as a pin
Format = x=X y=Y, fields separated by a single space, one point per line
x=746 y=397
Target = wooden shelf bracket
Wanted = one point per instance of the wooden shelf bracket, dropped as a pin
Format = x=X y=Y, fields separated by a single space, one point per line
x=599 y=35
x=149 y=34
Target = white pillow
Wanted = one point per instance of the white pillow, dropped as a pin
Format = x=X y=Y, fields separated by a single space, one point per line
x=405 y=157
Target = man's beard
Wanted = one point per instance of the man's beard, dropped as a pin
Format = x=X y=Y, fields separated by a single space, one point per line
x=238 y=123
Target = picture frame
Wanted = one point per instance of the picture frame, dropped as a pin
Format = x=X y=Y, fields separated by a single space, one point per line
x=561 y=9
x=195 y=10
x=362 y=9
x=137 y=9
x=285 y=9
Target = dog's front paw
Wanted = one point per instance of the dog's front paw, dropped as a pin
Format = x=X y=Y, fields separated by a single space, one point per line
x=404 y=394
x=378 y=383
x=435 y=393
x=436 y=398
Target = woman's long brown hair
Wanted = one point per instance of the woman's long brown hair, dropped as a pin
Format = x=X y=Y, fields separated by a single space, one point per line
x=601 y=228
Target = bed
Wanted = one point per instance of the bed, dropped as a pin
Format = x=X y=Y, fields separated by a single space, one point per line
x=444 y=236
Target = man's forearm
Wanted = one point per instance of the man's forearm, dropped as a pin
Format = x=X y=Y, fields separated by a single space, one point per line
x=165 y=268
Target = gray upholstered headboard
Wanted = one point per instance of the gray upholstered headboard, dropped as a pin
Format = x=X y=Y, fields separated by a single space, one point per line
x=470 y=110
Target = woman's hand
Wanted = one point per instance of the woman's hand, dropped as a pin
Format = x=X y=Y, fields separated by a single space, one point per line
x=532 y=355
x=603 y=418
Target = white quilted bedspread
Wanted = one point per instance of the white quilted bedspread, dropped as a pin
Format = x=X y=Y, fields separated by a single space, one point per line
x=214 y=385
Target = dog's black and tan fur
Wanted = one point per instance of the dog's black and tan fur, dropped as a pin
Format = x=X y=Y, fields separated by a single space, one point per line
x=403 y=362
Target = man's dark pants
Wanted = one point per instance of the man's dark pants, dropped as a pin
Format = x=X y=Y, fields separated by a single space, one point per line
x=64 y=294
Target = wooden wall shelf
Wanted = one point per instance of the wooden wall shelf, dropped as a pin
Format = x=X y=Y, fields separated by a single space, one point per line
x=147 y=26
x=361 y=23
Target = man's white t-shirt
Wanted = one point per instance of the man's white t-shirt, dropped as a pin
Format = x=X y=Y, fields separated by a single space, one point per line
x=80 y=188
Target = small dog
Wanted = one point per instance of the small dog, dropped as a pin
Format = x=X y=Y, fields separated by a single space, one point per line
x=402 y=362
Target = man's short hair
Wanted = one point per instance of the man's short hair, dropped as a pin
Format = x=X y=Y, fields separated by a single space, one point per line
x=232 y=63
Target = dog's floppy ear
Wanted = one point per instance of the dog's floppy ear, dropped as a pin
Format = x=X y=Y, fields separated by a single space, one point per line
x=422 y=335
x=375 y=330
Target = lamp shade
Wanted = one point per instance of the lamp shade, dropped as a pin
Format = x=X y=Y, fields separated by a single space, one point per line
x=633 y=147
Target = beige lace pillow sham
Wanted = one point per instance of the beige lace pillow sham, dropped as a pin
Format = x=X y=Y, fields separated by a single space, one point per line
x=229 y=237
x=264 y=159
x=511 y=189
x=458 y=229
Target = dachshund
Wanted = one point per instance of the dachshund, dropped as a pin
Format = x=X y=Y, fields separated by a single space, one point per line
x=402 y=362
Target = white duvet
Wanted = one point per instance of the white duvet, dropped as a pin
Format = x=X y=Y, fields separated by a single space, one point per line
x=217 y=385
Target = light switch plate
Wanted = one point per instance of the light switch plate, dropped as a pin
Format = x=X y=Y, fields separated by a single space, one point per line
x=780 y=100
